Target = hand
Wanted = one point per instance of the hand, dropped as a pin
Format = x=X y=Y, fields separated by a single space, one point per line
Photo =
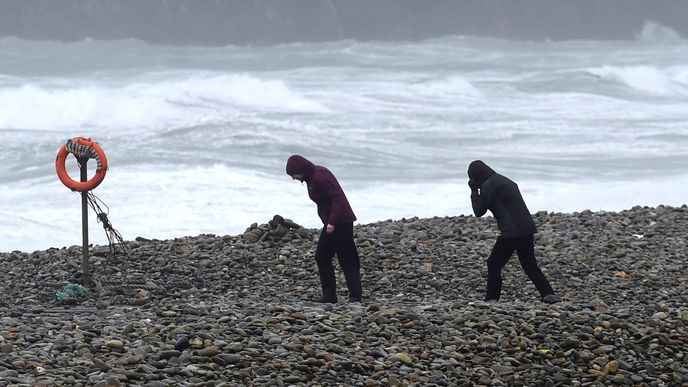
x=329 y=229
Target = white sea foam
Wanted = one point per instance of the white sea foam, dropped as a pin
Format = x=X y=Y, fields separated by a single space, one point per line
x=161 y=202
x=192 y=100
x=445 y=87
x=655 y=32
x=651 y=80
x=169 y=203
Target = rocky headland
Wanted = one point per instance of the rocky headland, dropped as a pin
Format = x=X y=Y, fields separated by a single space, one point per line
x=236 y=310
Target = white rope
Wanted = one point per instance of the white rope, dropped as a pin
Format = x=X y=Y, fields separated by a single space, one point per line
x=80 y=150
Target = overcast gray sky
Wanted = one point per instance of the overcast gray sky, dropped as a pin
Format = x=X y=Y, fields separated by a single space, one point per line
x=221 y=22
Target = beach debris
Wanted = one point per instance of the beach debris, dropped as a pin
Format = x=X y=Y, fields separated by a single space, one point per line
x=71 y=293
x=276 y=229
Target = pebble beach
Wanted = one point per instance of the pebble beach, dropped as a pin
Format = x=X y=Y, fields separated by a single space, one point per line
x=237 y=310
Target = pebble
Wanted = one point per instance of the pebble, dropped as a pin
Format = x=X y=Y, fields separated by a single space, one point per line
x=115 y=345
x=611 y=368
x=207 y=310
x=208 y=351
x=406 y=359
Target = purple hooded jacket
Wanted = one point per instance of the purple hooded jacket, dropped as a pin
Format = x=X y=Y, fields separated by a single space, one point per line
x=323 y=189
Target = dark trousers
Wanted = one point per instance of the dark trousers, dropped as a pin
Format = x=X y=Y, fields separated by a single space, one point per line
x=340 y=242
x=501 y=252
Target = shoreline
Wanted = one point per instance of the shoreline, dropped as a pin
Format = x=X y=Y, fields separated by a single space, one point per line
x=246 y=308
x=95 y=247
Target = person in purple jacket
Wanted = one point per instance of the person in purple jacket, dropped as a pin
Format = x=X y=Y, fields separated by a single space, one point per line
x=337 y=235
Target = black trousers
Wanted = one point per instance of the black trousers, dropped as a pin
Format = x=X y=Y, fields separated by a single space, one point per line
x=501 y=252
x=340 y=242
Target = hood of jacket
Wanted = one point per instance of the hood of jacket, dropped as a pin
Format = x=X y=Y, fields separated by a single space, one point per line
x=478 y=171
x=299 y=165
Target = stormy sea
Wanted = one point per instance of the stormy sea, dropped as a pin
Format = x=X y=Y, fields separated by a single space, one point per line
x=197 y=137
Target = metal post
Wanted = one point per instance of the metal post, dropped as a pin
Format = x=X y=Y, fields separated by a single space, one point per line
x=84 y=222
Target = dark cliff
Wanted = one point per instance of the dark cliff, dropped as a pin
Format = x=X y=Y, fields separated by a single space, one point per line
x=262 y=22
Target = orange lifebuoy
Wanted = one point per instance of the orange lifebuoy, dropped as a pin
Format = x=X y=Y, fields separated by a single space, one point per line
x=81 y=147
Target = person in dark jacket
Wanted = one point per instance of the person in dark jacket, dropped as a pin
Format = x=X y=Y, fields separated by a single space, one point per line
x=494 y=192
x=337 y=236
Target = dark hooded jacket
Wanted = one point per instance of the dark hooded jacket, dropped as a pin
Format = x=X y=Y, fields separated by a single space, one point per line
x=324 y=190
x=494 y=192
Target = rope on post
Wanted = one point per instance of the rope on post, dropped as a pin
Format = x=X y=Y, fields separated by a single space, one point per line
x=84 y=149
x=113 y=236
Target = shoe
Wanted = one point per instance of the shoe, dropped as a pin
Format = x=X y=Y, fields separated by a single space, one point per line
x=551 y=299
x=354 y=299
x=492 y=301
x=326 y=300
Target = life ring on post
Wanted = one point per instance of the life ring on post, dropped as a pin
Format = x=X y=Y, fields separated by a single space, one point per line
x=81 y=147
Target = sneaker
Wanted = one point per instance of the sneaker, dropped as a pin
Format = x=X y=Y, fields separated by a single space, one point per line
x=551 y=299
x=326 y=300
